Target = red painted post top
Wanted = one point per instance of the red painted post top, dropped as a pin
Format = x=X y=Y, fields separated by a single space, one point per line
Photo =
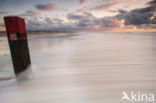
x=15 y=24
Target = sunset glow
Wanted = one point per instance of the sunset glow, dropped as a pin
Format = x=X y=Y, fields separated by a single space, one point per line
x=129 y=30
x=76 y=15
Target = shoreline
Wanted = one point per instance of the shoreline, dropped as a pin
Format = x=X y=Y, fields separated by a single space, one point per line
x=3 y=33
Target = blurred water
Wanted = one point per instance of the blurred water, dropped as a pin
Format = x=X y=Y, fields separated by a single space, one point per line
x=81 y=68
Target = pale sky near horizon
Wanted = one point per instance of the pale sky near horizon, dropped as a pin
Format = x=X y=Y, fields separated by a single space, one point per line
x=72 y=14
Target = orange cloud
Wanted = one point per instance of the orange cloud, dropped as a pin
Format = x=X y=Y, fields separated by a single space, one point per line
x=82 y=1
x=105 y=6
x=82 y=9
x=133 y=0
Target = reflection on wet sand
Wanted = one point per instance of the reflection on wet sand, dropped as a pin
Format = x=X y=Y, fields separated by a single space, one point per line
x=83 y=68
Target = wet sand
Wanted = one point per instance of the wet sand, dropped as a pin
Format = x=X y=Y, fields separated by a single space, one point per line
x=81 y=68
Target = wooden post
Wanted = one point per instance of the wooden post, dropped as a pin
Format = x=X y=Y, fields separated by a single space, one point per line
x=17 y=38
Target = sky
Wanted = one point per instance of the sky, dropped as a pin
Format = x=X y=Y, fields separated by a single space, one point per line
x=74 y=15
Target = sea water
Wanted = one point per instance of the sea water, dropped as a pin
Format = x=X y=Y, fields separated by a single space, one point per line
x=81 y=67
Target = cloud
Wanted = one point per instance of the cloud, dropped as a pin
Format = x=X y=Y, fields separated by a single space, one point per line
x=2 y=27
x=152 y=4
x=87 y=20
x=121 y=11
x=82 y=20
x=47 y=7
x=3 y=12
x=72 y=16
x=82 y=1
x=47 y=23
x=141 y=17
x=33 y=12
x=133 y=0
x=76 y=22
x=105 y=6
x=83 y=9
